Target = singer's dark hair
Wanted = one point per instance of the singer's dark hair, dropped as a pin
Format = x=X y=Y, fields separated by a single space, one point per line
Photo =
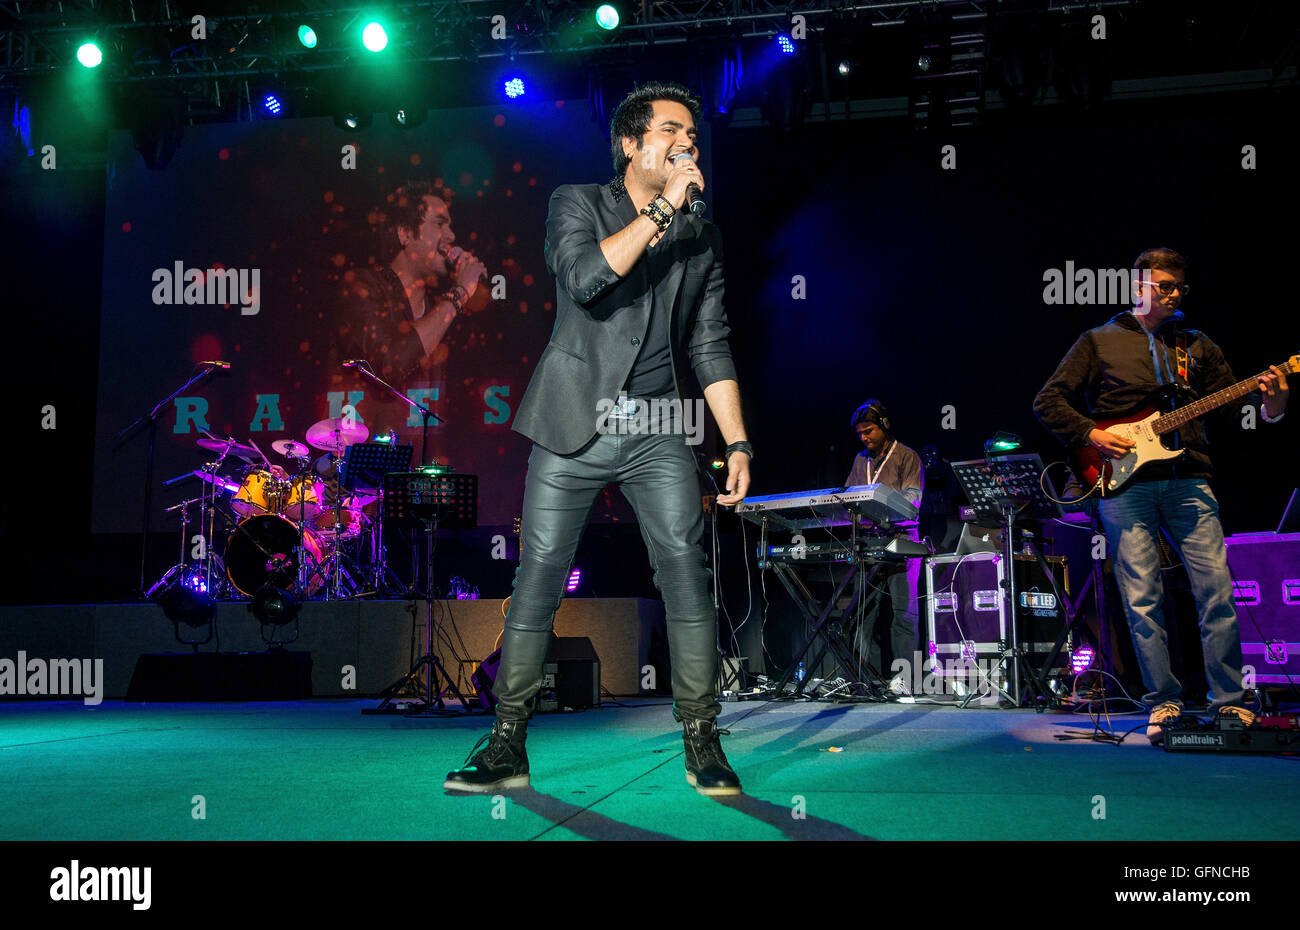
x=633 y=115
x=404 y=208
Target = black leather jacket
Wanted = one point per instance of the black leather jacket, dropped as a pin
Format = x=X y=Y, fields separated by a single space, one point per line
x=601 y=319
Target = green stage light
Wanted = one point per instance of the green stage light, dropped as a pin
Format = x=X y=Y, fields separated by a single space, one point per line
x=374 y=37
x=607 y=17
x=89 y=55
x=1004 y=442
x=307 y=36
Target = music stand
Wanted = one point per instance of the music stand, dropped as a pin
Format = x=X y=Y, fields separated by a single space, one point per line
x=1006 y=488
x=366 y=463
x=419 y=499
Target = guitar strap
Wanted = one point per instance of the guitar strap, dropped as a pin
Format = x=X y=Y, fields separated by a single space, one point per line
x=1183 y=357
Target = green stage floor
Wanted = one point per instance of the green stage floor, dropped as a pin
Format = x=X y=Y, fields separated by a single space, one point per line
x=319 y=770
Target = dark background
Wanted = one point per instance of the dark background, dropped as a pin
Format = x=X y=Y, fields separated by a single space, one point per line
x=924 y=288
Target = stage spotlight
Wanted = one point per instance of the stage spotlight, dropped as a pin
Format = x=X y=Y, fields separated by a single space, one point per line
x=575 y=579
x=90 y=55
x=407 y=117
x=351 y=118
x=307 y=36
x=182 y=595
x=272 y=105
x=845 y=67
x=924 y=63
x=786 y=45
x=374 y=37
x=1081 y=659
x=514 y=88
x=607 y=17
x=274 y=606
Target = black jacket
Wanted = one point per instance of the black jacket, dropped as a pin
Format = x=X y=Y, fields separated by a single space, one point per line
x=1110 y=372
x=601 y=319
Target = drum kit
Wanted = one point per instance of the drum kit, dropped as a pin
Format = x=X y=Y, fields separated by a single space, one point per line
x=300 y=528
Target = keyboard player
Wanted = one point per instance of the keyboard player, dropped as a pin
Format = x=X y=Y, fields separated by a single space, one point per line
x=892 y=594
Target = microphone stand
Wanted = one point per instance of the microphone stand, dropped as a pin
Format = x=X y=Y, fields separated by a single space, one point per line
x=151 y=418
x=363 y=369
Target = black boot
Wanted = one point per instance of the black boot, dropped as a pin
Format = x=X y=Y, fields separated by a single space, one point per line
x=706 y=765
x=503 y=764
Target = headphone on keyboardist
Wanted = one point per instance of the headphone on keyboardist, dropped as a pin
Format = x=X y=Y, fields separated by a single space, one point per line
x=873 y=411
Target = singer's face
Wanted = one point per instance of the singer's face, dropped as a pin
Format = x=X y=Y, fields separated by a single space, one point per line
x=671 y=132
x=426 y=249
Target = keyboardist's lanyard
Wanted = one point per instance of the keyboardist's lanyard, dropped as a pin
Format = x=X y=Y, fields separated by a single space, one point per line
x=874 y=471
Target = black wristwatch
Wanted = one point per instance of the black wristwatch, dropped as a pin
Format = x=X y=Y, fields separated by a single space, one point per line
x=739 y=446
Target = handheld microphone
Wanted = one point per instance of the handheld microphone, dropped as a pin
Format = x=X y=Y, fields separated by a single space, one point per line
x=694 y=196
x=218 y=364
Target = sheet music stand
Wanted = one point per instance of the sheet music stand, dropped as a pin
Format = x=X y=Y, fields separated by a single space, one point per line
x=1006 y=488
x=366 y=464
x=413 y=500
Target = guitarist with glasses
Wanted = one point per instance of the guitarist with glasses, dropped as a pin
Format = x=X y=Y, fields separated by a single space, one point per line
x=1152 y=471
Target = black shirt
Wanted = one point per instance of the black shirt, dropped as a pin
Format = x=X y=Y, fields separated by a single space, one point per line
x=652 y=374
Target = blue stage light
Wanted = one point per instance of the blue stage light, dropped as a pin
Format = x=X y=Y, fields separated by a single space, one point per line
x=271 y=103
x=514 y=88
x=786 y=44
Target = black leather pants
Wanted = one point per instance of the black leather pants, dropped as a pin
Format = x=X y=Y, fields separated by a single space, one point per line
x=658 y=476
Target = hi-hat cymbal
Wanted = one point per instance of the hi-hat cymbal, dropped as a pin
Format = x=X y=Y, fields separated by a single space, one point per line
x=238 y=450
x=290 y=449
x=336 y=433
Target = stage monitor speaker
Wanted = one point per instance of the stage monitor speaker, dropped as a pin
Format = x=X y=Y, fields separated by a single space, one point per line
x=571 y=675
x=278 y=675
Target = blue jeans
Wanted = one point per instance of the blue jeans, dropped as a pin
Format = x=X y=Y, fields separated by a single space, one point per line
x=657 y=474
x=1186 y=507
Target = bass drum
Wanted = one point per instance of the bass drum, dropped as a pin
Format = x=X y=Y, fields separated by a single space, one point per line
x=264 y=550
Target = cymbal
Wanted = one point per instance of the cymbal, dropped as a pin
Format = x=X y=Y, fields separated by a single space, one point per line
x=238 y=450
x=290 y=449
x=222 y=484
x=336 y=433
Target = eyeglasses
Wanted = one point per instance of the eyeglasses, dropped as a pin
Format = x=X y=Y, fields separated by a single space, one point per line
x=1168 y=287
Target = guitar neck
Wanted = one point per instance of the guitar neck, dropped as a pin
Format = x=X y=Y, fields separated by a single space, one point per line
x=1172 y=421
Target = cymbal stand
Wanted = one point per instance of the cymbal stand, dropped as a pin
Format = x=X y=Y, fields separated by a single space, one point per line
x=151 y=420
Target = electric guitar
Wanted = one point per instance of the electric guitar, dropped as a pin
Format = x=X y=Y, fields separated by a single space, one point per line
x=1145 y=429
